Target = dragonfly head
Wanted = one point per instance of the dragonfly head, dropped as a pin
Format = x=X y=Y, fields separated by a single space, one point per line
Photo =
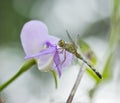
x=61 y=43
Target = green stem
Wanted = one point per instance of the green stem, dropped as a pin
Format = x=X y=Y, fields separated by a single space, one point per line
x=115 y=24
x=23 y=69
x=55 y=77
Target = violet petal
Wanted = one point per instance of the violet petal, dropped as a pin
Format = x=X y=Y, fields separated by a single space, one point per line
x=46 y=51
x=57 y=63
x=33 y=34
x=45 y=62
x=68 y=59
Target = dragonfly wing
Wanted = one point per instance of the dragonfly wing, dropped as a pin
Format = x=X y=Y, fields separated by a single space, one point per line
x=71 y=39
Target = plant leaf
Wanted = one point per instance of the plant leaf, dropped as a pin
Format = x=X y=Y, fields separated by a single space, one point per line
x=90 y=55
x=87 y=51
x=107 y=71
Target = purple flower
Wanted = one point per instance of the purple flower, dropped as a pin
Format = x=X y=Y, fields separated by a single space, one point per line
x=41 y=46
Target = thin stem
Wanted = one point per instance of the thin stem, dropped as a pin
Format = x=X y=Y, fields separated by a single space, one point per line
x=115 y=24
x=24 y=68
x=55 y=77
x=77 y=82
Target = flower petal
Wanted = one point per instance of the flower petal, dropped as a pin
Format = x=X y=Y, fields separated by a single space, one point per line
x=57 y=63
x=54 y=40
x=68 y=58
x=46 y=51
x=45 y=62
x=33 y=35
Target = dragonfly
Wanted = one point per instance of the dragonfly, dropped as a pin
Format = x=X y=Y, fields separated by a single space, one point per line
x=71 y=47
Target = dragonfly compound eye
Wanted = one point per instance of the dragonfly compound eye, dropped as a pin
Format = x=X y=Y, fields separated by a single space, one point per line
x=61 y=43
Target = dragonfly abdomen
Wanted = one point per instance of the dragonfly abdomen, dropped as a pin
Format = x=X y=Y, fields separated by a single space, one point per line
x=97 y=73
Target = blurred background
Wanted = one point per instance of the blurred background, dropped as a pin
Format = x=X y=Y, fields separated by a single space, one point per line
x=96 y=21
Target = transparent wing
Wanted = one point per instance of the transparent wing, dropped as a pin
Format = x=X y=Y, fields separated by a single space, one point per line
x=71 y=40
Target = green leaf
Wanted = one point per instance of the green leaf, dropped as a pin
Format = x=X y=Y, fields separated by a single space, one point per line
x=54 y=74
x=90 y=55
x=107 y=71
x=92 y=74
x=87 y=51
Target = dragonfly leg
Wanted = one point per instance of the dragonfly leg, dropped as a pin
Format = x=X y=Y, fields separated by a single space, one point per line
x=61 y=50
